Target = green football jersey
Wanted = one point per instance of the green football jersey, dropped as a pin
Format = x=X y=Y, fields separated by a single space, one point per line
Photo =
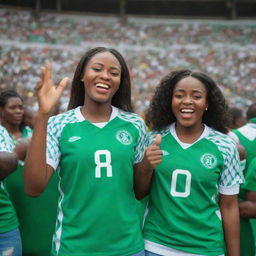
x=250 y=177
x=247 y=138
x=246 y=135
x=36 y=223
x=183 y=212
x=8 y=219
x=247 y=237
x=97 y=211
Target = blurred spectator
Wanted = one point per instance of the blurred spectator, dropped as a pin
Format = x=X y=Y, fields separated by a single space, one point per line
x=29 y=117
x=238 y=118
x=226 y=50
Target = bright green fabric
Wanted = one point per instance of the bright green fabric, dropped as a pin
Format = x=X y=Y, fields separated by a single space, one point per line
x=183 y=205
x=8 y=219
x=247 y=138
x=37 y=216
x=97 y=214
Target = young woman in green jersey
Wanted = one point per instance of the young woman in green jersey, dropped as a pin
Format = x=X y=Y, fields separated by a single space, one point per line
x=193 y=207
x=34 y=221
x=246 y=135
x=10 y=240
x=95 y=147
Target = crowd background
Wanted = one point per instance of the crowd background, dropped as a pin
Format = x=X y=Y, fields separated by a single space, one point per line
x=152 y=47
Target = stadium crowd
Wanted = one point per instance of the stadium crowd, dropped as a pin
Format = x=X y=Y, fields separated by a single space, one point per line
x=48 y=46
x=223 y=49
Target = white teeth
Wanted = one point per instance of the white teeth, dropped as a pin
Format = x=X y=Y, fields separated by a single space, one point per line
x=105 y=86
x=187 y=110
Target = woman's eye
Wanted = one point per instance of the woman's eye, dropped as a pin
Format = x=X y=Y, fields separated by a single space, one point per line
x=96 y=69
x=115 y=74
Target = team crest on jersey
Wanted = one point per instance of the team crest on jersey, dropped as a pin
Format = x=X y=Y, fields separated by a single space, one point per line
x=208 y=160
x=124 y=137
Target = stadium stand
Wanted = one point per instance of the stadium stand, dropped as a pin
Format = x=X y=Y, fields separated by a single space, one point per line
x=224 y=49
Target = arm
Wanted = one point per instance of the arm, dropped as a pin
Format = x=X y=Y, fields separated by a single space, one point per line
x=21 y=148
x=241 y=151
x=8 y=163
x=247 y=209
x=231 y=224
x=37 y=172
x=9 y=160
x=143 y=171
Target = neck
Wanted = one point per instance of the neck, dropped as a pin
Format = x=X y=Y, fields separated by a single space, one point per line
x=189 y=134
x=97 y=113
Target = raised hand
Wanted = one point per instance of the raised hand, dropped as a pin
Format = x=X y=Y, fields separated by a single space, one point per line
x=49 y=94
x=153 y=153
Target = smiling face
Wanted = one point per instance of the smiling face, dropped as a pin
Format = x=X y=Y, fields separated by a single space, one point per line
x=189 y=101
x=102 y=76
x=12 y=112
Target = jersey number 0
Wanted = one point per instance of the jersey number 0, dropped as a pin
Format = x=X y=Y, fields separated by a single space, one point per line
x=187 y=185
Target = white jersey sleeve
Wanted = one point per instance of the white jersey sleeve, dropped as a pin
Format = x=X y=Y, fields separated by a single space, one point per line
x=143 y=139
x=54 y=130
x=5 y=143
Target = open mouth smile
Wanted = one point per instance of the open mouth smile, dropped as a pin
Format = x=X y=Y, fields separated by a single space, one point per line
x=187 y=110
x=103 y=86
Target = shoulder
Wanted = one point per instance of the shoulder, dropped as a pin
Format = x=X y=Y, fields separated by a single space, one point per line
x=221 y=138
x=57 y=123
x=133 y=118
x=64 y=118
x=233 y=136
x=163 y=133
x=3 y=130
x=129 y=116
x=5 y=141
x=245 y=128
x=247 y=132
x=4 y=135
x=224 y=143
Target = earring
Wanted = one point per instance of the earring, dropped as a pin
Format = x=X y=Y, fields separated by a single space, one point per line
x=206 y=109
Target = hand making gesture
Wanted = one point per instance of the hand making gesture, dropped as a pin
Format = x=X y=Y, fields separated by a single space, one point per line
x=154 y=153
x=49 y=94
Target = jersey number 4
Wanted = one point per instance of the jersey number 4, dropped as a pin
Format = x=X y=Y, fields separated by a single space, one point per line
x=175 y=177
x=106 y=164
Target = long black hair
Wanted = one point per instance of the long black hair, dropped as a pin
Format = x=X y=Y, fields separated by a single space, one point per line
x=160 y=115
x=121 y=99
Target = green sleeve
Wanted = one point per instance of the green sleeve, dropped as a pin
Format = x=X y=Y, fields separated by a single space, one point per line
x=250 y=177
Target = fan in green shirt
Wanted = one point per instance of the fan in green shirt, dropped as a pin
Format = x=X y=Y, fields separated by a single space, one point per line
x=193 y=206
x=246 y=136
x=95 y=148
x=8 y=219
x=9 y=232
x=36 y=223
